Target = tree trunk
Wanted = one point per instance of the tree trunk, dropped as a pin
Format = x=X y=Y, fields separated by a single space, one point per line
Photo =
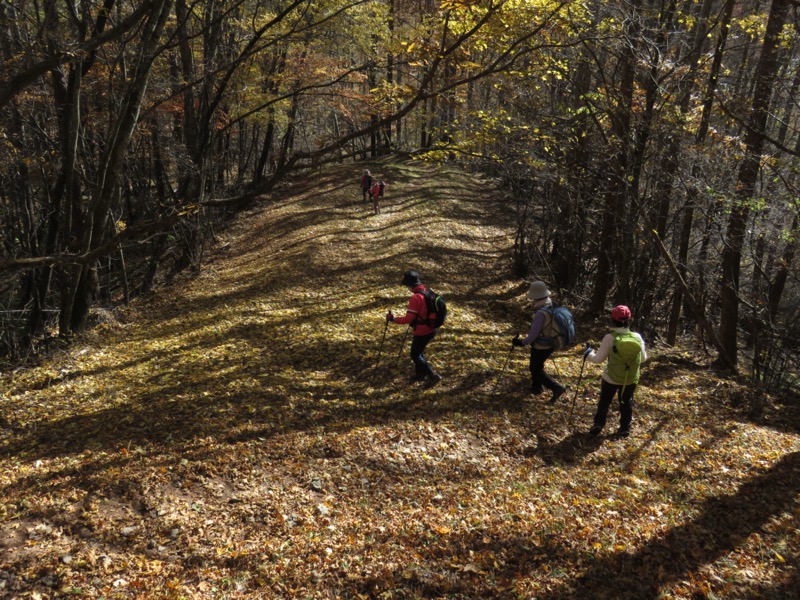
x=746 y=179
x=685 y=88
x=700 y=137
x=783 y=265
x=77 y=292
x=616 y=193
x=571 y=218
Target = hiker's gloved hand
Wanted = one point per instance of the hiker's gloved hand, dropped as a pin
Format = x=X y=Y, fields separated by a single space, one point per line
x=516 y=342
x=588 y=351
x=389 y=316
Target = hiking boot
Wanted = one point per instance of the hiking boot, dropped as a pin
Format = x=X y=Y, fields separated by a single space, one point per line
x=595 y=430
x=433 y=379
x=623 y=433
x=536 y=390
x=556 y=395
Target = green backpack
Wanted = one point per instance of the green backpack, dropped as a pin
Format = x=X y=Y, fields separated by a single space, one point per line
x=625 y=357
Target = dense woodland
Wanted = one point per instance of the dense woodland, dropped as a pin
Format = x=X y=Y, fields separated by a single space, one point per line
x=649 y=149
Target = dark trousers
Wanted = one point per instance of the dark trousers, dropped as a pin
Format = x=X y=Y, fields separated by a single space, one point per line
x=607 y=393
x=418 y=345
x=539 y=378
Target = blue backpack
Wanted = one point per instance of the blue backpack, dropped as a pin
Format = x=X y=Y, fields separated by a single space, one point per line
x=559 y=333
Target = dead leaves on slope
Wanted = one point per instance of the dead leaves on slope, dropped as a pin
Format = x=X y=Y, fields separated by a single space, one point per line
x=238 y=439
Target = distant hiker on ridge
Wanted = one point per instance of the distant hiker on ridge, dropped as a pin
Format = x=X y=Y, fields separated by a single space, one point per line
x=377 y=193
x=420 y=319
x=625 y=352
x=541 y=345
x=366 y=184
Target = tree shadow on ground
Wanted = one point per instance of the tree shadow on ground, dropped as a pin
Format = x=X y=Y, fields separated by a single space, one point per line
x=723 y=524
x=269 y=390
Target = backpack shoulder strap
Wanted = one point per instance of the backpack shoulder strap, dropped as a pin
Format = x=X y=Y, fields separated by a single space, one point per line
x=547 y=325
x=427 y=299
x=430 y=301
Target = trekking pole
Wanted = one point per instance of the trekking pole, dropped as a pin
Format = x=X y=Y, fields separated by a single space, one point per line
x=577 y=385
x=380 y=348
x=555 y=366
x=502 y=371
x=400 y=351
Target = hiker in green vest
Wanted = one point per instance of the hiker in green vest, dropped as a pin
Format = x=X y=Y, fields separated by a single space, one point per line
x=625 y=352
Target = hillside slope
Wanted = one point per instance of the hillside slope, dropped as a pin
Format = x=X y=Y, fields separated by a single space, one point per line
x=236 y=436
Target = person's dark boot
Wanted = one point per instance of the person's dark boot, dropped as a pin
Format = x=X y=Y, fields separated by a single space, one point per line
x=557 y=393
x=433 y=379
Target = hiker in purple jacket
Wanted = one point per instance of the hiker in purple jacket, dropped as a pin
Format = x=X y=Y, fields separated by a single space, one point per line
x=540 y=348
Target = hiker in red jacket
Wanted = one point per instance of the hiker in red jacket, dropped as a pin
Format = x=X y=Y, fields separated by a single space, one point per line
x=377 y=193
x=416 y=318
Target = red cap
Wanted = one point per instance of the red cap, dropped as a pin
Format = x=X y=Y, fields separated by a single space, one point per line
x=621 y=313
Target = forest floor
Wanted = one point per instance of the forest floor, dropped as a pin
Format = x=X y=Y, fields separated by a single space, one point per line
x=235 y=435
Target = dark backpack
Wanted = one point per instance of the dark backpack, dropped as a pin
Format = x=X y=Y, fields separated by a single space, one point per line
x=437 y=308
x=560 y=332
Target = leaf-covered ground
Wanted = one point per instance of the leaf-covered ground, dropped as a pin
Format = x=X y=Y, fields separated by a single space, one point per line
x=233 y=436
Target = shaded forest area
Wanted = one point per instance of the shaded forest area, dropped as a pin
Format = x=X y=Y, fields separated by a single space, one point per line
x=240 y=434
x=650 y=148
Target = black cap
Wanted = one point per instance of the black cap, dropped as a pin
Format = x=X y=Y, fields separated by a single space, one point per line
x=411 y=278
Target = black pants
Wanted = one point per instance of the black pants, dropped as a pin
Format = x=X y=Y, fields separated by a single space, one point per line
x=539 y=378
x=607 y=393
x=418 y=345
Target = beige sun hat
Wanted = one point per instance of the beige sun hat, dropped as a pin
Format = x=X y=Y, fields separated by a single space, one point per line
x=538 y=291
